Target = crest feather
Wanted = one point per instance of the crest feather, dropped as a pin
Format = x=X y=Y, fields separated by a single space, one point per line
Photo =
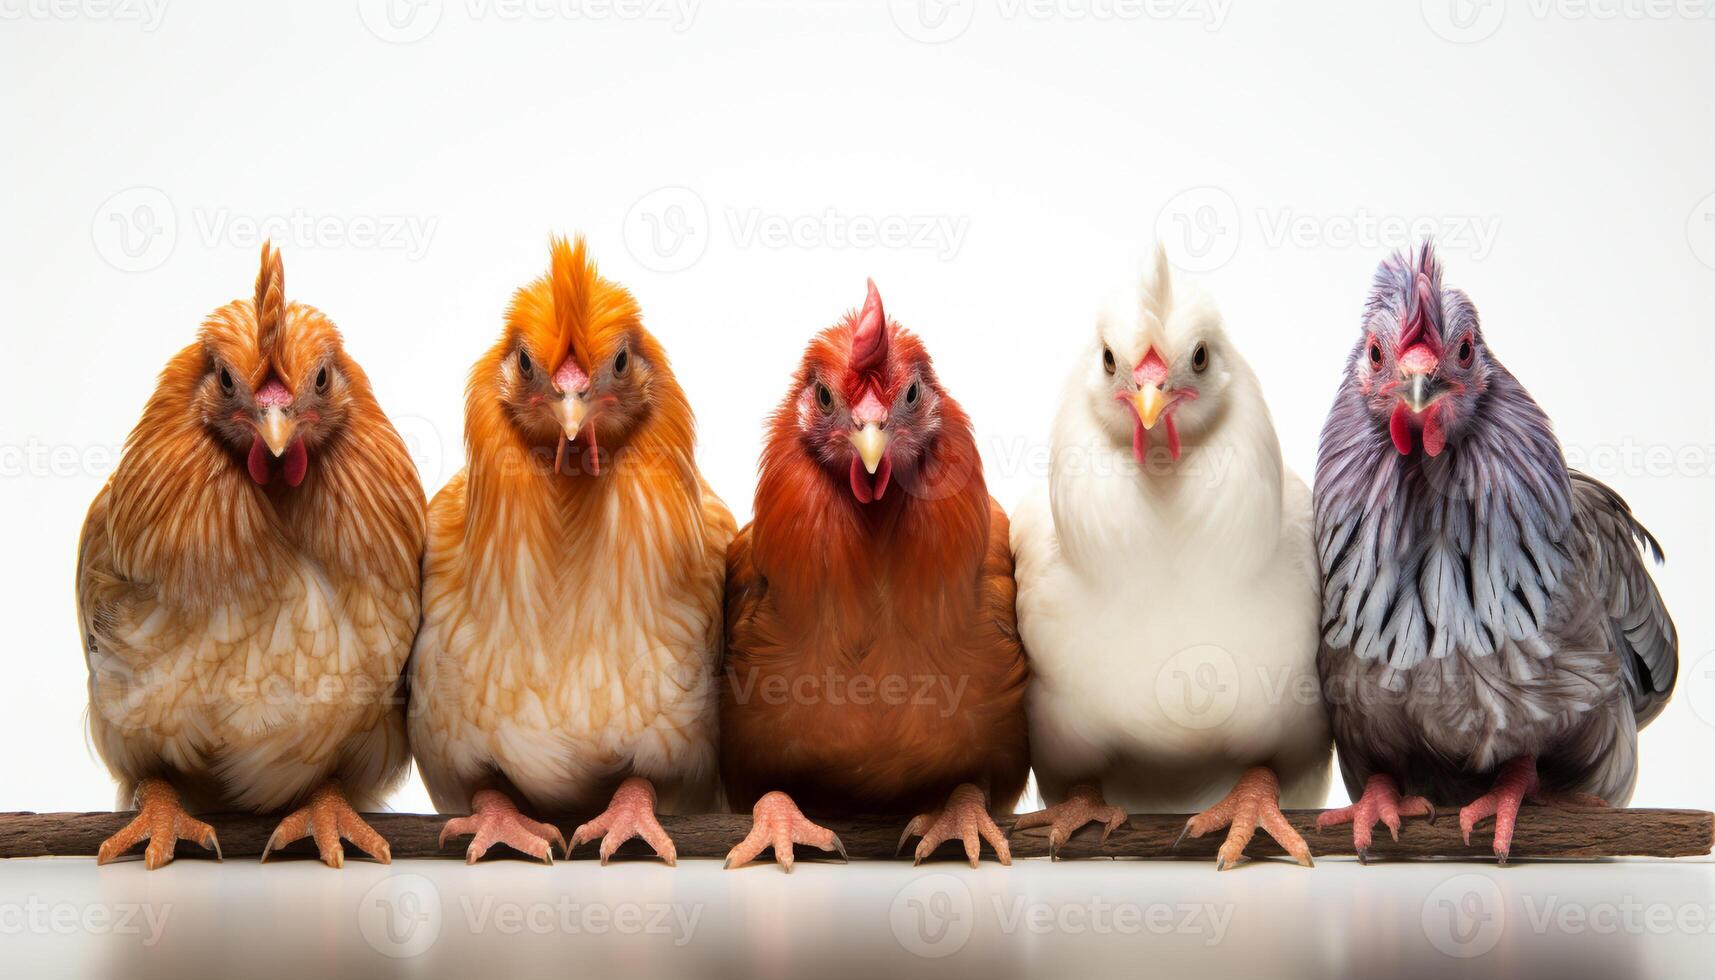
x=1419 y=318
x=1161 y=282
x=270 y=302
x=572 y=282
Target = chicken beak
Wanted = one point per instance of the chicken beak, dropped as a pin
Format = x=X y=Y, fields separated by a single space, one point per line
x=1150 y=401
x=276 y=430
x=871 y=443
x=573 y=413
x=1420 y=391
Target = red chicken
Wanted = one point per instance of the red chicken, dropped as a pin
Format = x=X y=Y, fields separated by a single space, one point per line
x=873 y=663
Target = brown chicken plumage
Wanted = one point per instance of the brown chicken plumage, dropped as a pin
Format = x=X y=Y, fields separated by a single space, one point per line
x=248 y=587
x=873 y=664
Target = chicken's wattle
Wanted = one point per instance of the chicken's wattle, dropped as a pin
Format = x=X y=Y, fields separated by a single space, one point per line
x=1140 y=439
x=868 y=487
x=1434 y=435
x=295 y=462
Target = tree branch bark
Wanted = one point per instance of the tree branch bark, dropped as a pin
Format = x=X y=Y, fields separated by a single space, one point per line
x=1543 y=832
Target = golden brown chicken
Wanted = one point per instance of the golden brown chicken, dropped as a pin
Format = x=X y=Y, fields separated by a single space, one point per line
x=248 y=588
x=572 y=587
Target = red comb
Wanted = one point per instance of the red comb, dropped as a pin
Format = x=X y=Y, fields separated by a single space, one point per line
x=869 y=340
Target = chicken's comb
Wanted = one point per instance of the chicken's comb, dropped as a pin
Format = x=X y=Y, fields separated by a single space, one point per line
x=571 y=278
x=270 y=302
x=869 y=339
x=1417 y=324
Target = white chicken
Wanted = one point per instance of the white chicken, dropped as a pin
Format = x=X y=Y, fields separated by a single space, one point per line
x=1167 y=588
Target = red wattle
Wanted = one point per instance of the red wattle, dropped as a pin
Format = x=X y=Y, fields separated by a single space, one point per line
x=867 y=488
x=1139 y=442
x=297 y=461
x=1172 y=438
x=1434 y=439
x=860 y=482
x=257 y=462
x=1399 y=427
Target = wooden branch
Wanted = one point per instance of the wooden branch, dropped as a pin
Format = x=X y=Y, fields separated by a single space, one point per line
x=1569 y=832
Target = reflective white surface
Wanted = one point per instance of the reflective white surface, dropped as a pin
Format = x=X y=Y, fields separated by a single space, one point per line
x=508 y=919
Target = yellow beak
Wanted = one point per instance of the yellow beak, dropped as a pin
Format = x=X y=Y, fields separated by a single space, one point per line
x=276 y=430
x=871 y=443
x=1151 y=402
x=573 y=412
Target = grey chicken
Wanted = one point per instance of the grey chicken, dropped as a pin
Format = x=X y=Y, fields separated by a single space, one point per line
x=1490 y=629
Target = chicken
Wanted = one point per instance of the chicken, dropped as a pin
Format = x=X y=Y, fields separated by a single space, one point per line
x=572 y=587
x=872 y=661
x=248 y=588
x=1167 y=587
x=1490 y=626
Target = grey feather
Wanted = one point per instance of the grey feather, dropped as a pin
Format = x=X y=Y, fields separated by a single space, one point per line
x=1639 y=626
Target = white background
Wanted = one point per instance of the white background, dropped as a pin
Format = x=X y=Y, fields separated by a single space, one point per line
x=413 y=168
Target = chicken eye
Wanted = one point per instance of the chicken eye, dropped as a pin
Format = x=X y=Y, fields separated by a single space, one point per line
x=1375 y=354
x=621 y=361
x=1107 y=360
x=1465 y=351
x=322 y=379
x=524 y=366
x=1200 y=358
x=824 y=397
x=226 y=384
x=911 y=395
